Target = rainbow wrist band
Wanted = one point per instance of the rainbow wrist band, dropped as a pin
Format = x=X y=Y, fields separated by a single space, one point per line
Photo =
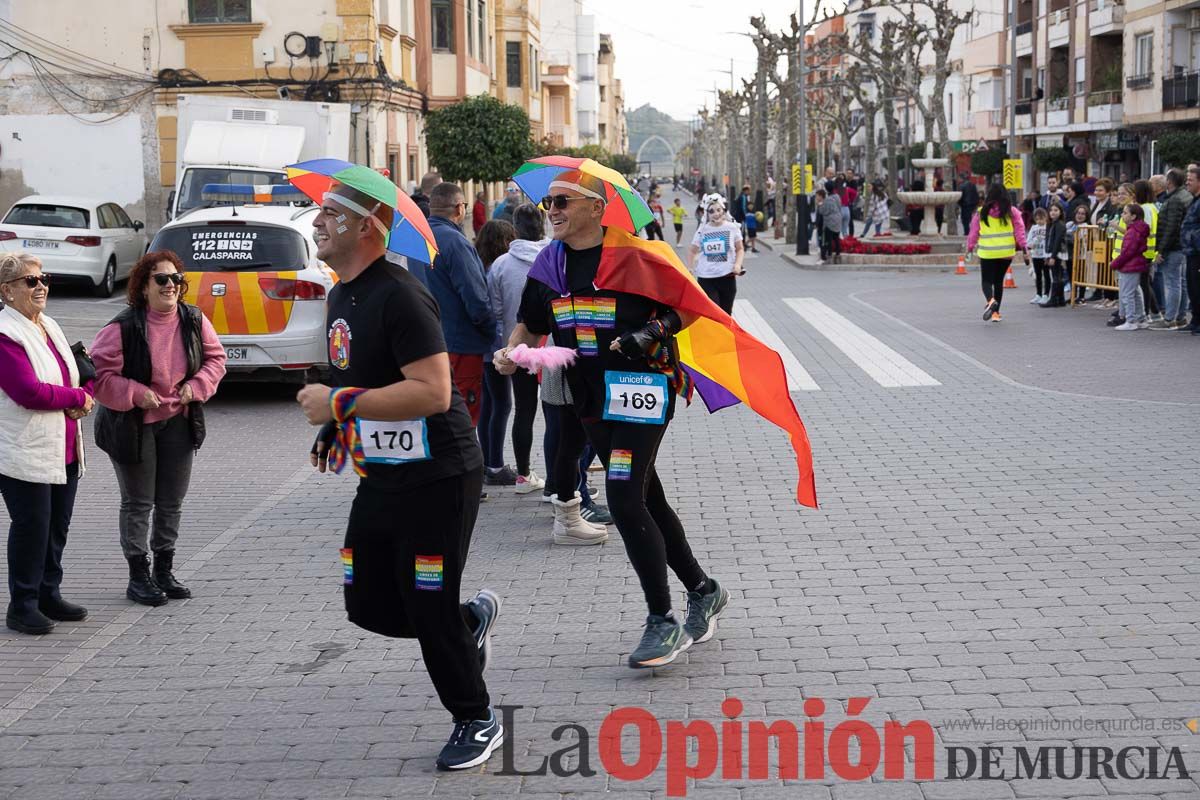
x=346 y=446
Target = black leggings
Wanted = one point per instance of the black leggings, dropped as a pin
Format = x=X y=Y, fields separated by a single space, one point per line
x=721 y=291
x=992 y=271
x=653 y=535
x=498 y=402
x=1042 y=271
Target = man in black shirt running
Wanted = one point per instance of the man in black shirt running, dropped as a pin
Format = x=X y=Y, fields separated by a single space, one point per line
x=623 y=384
x=394 y=414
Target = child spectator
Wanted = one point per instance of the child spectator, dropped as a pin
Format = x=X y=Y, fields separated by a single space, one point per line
x=1037 y=251
x=1130 y=265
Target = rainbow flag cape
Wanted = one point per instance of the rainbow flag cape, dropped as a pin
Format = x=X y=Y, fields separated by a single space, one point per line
x=727 y=364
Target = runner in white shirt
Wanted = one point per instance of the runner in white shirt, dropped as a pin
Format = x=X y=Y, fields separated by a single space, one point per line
x=716 y=256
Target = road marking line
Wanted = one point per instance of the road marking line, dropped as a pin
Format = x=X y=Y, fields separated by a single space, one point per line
x=797 y=376
x=887 y=367
x=41 y=688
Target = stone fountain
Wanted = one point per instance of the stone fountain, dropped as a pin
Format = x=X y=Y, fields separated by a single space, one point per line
x=931 y=200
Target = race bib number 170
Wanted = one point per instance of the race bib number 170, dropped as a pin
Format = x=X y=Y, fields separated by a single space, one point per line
x=400 y=442
x=635 y=397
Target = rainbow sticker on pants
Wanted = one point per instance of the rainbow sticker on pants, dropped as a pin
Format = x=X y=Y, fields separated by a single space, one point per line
x=620 y=465
x=585 y=338
x=429 y=573
x=347 y=566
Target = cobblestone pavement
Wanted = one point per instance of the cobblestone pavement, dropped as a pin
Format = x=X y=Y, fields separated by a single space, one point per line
x=1010 y=555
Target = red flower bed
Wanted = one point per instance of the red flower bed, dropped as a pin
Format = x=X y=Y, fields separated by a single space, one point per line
x=859 y=247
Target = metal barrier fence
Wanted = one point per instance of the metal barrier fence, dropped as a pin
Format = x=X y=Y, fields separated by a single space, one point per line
x=1090 y=262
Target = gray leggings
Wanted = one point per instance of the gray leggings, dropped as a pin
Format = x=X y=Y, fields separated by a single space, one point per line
x=158 y=484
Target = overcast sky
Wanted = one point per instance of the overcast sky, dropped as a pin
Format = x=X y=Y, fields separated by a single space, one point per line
x=669 y=51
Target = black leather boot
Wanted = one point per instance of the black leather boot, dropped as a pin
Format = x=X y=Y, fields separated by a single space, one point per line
x=163 y=564
x=28 y=620
x=141 y=589
x=61 y=610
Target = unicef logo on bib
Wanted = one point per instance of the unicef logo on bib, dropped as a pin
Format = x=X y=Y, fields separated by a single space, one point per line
x=635 y=397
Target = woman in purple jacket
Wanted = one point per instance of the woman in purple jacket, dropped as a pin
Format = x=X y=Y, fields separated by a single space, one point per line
x=41 y=446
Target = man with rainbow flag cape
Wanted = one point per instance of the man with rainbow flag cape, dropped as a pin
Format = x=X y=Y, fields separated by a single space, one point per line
x=644 y=332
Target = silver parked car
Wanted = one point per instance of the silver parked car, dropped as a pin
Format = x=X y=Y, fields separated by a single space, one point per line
x=76 y=238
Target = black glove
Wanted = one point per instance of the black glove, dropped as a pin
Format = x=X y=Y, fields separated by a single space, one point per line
x=637 y=343
x=324 y=436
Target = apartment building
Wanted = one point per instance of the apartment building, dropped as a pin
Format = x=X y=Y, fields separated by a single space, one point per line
x=570 y=46
x=612 y=132
x=518 y=58
x=1103 y=79
x=363 y=53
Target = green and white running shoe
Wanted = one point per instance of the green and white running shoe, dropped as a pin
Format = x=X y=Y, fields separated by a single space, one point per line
x=703 y=610
x=663 y=640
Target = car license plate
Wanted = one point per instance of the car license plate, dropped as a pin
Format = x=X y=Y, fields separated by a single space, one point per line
x=237 y=353
x=43 y=243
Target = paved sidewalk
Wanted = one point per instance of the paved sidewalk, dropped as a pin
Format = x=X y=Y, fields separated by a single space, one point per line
x=988 y=555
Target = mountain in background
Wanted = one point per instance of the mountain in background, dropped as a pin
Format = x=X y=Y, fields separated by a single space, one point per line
x=647 y=121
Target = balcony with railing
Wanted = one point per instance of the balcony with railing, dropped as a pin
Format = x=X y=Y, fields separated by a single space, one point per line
x=1143 y=81
x=1181 y=91
x=1105 y=17
x=1025 y=38
x=1105 y=106
x=1059 y=27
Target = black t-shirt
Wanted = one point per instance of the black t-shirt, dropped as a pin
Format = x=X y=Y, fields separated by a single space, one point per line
x=589 y=320
x=376 y=324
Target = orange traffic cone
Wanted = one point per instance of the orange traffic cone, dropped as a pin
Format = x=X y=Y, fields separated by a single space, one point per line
x=1009 y=283
x=962 y=267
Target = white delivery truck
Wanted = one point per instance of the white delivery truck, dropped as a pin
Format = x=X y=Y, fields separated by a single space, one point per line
x=249 y=141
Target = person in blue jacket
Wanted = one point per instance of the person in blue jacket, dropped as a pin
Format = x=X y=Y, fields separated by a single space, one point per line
x=456 y=281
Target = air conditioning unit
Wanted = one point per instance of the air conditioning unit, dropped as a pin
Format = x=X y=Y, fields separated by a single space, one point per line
x=264 y=115
x=1194 y=19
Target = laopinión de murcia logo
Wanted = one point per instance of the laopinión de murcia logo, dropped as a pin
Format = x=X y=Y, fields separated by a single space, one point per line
x=632 y=744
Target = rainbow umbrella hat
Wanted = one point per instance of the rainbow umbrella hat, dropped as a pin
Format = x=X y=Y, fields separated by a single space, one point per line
x=625 y=208
x=410 y=235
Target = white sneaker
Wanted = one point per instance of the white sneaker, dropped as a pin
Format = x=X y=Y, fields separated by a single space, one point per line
x=1130 y=326
x=528 y=483
x=1037 y=298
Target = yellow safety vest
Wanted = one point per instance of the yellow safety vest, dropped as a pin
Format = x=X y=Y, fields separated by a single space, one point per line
x=1151 y=220
x=996 y=237
x=1151 y=242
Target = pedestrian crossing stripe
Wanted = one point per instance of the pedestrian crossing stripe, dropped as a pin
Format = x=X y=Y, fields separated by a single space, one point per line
x=885 y=366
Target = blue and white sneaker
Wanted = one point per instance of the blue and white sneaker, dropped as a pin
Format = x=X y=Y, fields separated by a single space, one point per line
x=485 y=606
x=471 y=743
x=662 y=642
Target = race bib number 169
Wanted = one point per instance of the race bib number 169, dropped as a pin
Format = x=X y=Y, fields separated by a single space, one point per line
x=635 y=397
x=399 y=442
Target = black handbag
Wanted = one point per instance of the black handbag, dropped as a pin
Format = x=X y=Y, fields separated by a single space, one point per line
x=83 y=363
x=119 y=434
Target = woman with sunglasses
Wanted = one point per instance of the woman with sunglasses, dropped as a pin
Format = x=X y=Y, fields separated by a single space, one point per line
x=156 y=363
x=41 y=446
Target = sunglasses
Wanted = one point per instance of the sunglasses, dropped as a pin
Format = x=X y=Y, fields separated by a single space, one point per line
x=33 y=280
x=559 y=201
x=163 y=278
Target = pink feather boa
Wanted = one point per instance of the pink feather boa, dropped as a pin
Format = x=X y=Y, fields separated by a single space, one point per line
x=535 y=359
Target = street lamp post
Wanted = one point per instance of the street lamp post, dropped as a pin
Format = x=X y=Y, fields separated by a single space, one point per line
x=802 y=232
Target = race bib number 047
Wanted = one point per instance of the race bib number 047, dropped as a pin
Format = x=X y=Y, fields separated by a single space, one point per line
x=635 y=397
x=400 y=442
